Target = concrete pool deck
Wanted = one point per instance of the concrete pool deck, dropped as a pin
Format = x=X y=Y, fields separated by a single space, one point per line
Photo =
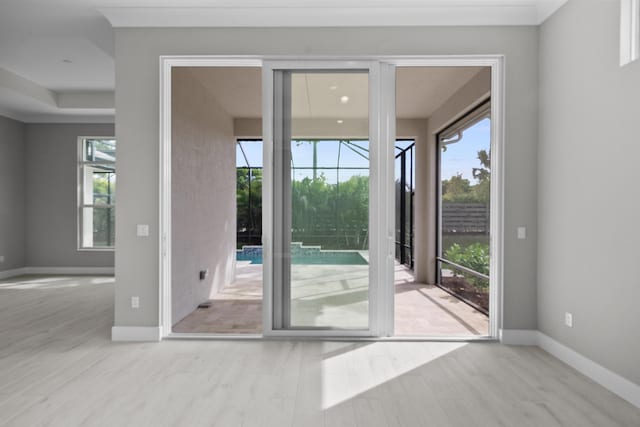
x=335 y=295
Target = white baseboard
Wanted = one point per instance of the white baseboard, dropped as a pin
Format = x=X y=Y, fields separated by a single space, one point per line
x=70 y=270
x=613 y=382
x=519 y=336
x=136 y=333
x=76 y=271
x=608 y=379
x=12 y=273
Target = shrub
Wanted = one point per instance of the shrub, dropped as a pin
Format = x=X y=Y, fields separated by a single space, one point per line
x=474 y=256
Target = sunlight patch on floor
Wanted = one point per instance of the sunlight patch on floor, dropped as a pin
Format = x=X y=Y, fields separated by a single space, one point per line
x=376 y=362
x=58 y=282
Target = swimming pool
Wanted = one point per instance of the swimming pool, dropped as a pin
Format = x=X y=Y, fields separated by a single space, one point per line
x=316 y=258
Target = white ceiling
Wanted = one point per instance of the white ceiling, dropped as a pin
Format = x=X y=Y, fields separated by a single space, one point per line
x=238 y=90
x=420 y=91
x=318 y=95
x=57 y=48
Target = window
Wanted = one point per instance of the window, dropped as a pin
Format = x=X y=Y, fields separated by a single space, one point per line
x=96 y=193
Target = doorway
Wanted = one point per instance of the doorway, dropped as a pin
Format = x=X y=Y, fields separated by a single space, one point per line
x=431 y=104
x=364 y=305
x=216 y=170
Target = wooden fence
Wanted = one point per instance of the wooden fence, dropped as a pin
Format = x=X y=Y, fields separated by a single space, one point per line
x=465 y=218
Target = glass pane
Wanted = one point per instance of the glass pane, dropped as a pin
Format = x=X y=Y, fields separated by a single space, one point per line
x=465 y=176
x=103 y=184
x=408 y=190
x=98 y=227
x=249 y=206
x=329 y=202
x=249 y=153
x=249 y=193
x=404 y=201
x=100 y=150
x=354 y=154
x=398 y=197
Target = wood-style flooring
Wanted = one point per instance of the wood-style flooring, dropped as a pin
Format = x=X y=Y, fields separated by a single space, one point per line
x=58 y=367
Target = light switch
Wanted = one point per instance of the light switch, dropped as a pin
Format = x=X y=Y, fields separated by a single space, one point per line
x=522 y=233
x=142 y=230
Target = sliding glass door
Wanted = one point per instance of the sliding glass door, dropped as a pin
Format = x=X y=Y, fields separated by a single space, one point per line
x=324 y=159
x=324 y=213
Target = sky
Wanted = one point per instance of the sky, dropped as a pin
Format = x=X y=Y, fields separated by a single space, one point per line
x=462 y=156
x=459 y=158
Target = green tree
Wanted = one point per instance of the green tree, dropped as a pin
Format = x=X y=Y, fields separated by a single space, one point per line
x=352 y=201
x=482 y=174
x=457 y=190
x=460 y=190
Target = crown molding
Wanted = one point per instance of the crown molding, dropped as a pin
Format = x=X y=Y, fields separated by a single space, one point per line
x=352 y=13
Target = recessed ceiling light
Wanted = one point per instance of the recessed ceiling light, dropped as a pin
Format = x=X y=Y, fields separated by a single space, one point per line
x=344 y=99
x=340 y=121
x=333 y=87
x=67 y=61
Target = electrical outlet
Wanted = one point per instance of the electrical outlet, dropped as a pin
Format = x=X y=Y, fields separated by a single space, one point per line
x=135 y=302
x=1 y=259
x=568 y=320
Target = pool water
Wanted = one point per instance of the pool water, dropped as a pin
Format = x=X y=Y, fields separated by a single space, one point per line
x=324 y=258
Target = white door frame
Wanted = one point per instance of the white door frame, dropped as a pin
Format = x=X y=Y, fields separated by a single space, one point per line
x=166 y=64
x=381 y=325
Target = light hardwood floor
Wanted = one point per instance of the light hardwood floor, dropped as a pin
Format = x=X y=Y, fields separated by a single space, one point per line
x=58 y=367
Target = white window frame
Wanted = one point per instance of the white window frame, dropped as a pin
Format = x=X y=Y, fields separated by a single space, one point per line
x=81 y=185
x=629 y=31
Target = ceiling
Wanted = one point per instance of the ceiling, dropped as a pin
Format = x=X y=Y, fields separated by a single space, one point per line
x=57 y=56
x=419 y=91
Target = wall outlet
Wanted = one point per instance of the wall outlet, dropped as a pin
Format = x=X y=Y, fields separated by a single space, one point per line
x=568 y=320
x=522 y=233
x=1 y=259
x=204 y=274
x=135 y=302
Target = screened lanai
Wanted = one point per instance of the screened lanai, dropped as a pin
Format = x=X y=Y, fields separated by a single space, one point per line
x=330 y=216
x=336 y=173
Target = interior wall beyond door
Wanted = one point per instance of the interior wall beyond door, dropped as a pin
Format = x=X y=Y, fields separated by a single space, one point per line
x=203 y=194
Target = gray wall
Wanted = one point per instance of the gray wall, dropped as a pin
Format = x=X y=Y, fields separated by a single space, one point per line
x=51 y=196
x=203 y=194
x=12 y=202
x=589 y=202
x=137 y=97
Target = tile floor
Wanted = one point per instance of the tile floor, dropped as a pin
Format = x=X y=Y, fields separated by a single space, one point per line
x=336 y=296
